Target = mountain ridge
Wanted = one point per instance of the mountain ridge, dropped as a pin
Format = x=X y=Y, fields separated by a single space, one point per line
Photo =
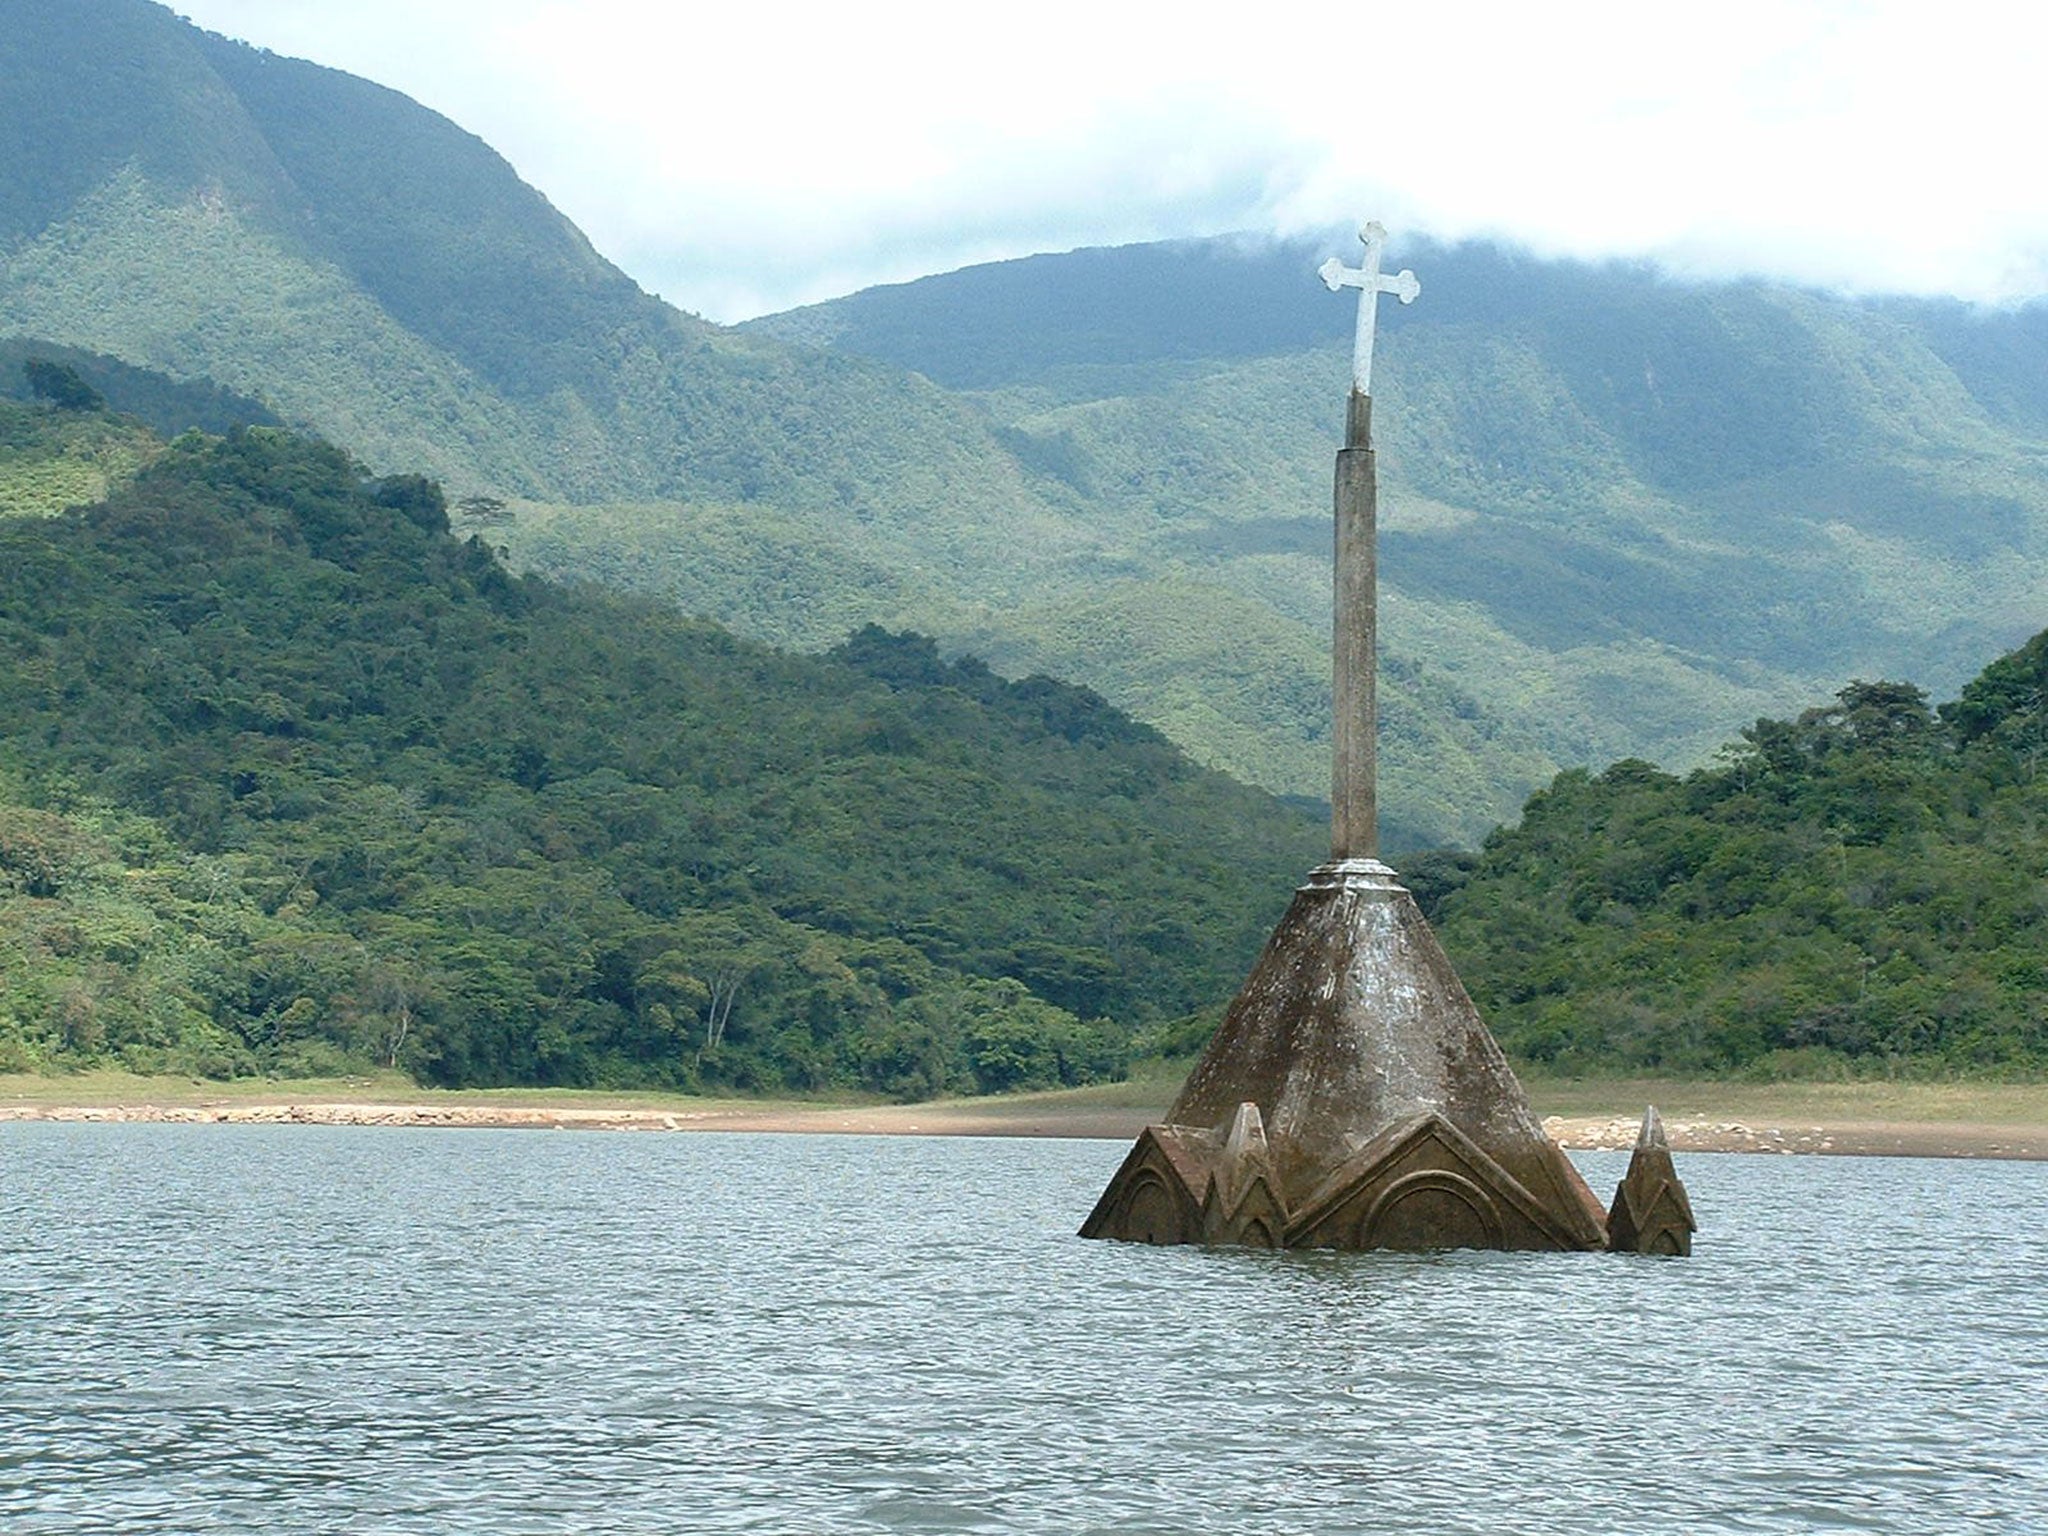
x=1621 y=516
x=1740 y=478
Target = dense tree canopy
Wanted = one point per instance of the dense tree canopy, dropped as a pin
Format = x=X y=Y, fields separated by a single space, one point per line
x=360 y=795
x=61 y=386
x=1864 y=887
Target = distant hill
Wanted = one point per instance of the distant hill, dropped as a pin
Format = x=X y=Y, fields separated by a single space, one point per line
x=1623 y=515
x=368 y=270
x=291 y=778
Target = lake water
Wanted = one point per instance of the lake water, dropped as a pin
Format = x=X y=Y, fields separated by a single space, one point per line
x=297 y=1329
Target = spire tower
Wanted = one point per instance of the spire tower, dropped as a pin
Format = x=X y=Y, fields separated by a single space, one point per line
x=1353 y=1097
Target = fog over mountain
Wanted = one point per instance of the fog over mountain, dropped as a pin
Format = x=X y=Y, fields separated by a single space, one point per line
x=741 y=160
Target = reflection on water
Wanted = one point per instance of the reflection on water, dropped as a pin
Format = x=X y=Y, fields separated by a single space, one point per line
x=325 y=1329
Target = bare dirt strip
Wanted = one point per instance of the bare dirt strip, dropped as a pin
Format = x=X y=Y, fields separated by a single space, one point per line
x=1046 y=1116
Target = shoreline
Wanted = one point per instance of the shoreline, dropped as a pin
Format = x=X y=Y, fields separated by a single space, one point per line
x=1050 y=1115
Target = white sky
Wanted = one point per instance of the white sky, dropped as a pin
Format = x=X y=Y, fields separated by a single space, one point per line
x=744 y=157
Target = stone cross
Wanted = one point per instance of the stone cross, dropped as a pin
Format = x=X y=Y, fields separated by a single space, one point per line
x=1370 y=284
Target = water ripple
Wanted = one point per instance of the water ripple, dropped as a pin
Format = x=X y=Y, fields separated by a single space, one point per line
x=243 y=1329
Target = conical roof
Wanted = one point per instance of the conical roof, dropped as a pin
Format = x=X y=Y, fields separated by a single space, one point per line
x=1353 y=1023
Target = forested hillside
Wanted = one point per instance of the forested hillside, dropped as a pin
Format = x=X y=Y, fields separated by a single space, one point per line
x=290 y=777
x=55 y=458
x=1861 y=888
x=165 y=405
x=103 y=420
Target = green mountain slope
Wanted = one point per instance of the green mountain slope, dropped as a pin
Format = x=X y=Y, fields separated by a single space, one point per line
x=1622 y=512
x=500 y=831
x=165 y=405
x=186 y=202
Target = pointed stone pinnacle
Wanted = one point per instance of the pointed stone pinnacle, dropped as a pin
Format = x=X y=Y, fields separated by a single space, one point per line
x=1247 y=1135
x=1651 y=1213
x=1352 y=1098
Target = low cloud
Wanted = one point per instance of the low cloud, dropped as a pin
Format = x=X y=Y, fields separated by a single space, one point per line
x=742 y=159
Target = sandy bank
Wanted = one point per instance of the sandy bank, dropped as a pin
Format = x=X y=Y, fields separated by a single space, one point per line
x=1047 y=1116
